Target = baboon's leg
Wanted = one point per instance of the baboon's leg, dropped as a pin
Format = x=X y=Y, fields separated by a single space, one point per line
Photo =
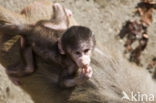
x=7 y=16
x=27 y=56
x=26 y=66
x=39 y=10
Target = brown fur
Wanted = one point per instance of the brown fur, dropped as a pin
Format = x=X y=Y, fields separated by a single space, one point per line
x=42 y=39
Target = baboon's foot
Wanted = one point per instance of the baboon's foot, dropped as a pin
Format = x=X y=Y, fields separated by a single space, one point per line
x=20 y=70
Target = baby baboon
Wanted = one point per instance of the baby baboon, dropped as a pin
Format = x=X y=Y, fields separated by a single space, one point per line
x=69 y=50
x=58 y=24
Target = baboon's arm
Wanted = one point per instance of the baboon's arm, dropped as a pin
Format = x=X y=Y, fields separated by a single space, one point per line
x=21 y=29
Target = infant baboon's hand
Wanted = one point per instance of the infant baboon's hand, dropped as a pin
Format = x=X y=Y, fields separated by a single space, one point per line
x=87 y=72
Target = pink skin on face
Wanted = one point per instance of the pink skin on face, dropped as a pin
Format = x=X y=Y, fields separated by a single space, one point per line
x=82 y=59
x=82 y=56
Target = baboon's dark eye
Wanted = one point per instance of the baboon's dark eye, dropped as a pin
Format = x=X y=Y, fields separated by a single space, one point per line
x=77 y=53
x=86 y=51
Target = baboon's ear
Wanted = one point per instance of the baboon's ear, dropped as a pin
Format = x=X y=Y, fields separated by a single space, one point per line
x=60 y=47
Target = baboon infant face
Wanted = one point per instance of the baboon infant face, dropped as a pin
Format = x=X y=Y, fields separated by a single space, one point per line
x=82 y=54
x=78 y=43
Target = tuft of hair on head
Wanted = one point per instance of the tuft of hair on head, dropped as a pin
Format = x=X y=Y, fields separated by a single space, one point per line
x=75 y=35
